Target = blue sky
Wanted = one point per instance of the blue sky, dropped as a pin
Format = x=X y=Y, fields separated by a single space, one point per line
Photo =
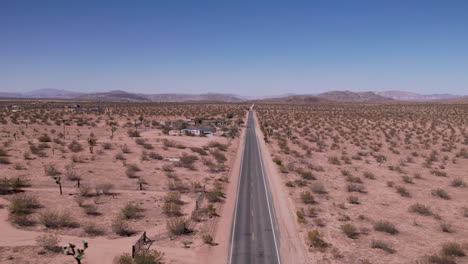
x=241 y=47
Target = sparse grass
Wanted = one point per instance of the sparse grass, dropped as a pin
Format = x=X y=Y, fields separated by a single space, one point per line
x=439 y=192
x=458 y=183
x=131 y=211
x=402 y=191
x=420 y=209
x=49 y=242
x=385 y=226
x=54 y=220
x=307 y=197
x=453 y=249
x=352 y=187
x=383 y=245
x=178 y=226
x=316 y=239
x=350 y=231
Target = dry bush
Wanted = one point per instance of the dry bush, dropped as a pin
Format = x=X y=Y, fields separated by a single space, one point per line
x=420 y=209
x=121 y=227
x=177 y=226
x=307 y=197
x=91 y=229
x=74 y=146
x=52 y=219
x=49 y=242
x=453 y=249
x=382 y=245
x=316 y=239
x=350 y=231
x=439 y=192
x=385 y=226
x=131 y=211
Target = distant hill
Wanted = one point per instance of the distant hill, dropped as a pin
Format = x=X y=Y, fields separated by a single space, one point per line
x=409 y=96
x=208 y=97
x=348 y=96
x=113 y=96
x=293 y=99
x=50 y=93
x=459 y=100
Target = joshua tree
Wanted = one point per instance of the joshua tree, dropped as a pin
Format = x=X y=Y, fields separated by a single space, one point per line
x=92 y=142
x=77 y=253
x=58 y=180
x=113 y=129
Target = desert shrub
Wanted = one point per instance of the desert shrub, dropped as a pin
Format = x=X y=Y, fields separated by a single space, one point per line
x=214 y=196
x=121 y=227
x=307 y=197
x=105 y=188
x=124 y=259
x=219 y=157
x=131 y=173
x=107 y=145
x=23 y=204
x=125 y=149
x=318 y=188
x=133 y=133
x=407 y=179
x=120 y=156
x=172 y=209
x=402 y=191
x=219 y=146
x=13 y=184
x=85 y=190
x=446 y=227
x=188 y=159
x=51 y=170
x=167 y=167
x=369 y=175
x=436 y=259
x=131 y=211
x=200 y=151
x=4 y=160
x=90 y=228
x=356 y=188
x=207 y=239
x=278 y=161
x=385 y=226
x=441 y=193
x=52 y=219
x=90 y=209
x=439 y=173
x=155 y=156
x=334 y=160
x=44 y=138
x=306 y=175
x=353 y=199
x=420 y=209
x=382 y=245
x=458 y=183
x=452 y=249
x=350 y=231
x=3 y=152
x=177 y=226
x=74 y=146
x=316 y=239
x=49 y=242
x=173 y=197
x=148 y=257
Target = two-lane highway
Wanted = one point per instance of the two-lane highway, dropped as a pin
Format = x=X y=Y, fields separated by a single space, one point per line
x=253 y=234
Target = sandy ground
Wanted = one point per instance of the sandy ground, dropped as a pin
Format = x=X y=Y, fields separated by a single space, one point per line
x=314 y=132
x=18 y=244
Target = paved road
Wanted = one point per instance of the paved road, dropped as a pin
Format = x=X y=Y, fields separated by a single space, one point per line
x=253 y=238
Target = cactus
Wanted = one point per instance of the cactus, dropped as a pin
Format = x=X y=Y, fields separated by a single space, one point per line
x=77 y=253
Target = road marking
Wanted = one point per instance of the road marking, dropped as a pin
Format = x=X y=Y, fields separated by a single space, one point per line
x=251 y=212
x=268 y=200
x=253 y=236
x=233 y=231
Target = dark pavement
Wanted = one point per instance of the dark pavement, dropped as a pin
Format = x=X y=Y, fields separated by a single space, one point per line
x=253 y=238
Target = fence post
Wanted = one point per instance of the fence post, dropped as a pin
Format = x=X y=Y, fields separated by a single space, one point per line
x=133 y=251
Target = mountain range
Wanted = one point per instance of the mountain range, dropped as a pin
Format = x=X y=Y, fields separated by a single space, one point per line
x=331 y=96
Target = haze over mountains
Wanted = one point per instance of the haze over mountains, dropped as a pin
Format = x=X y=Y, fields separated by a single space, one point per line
x=331 y=96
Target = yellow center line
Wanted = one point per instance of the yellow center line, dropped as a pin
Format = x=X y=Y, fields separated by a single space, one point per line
x=253 y=236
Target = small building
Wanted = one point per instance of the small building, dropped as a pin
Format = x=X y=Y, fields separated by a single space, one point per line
x=175 y=132
x=200 y=130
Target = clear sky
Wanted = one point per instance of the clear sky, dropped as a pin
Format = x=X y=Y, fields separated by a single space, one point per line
x=241 y=47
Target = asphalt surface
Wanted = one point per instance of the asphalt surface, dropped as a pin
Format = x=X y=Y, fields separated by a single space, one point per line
x=253 y=236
